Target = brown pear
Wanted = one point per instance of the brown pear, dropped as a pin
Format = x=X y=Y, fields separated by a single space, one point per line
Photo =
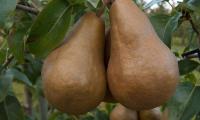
x=142 y=71
x=153 y=114
x=122 y=113
x=74 y=74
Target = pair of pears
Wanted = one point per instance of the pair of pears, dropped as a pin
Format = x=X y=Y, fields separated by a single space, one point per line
x=122 y=113
x=142 y=73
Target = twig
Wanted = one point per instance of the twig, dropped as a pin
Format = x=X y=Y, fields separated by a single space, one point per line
x=8 y=61
x=194 y=28
x=27 y=8
x=192 y=56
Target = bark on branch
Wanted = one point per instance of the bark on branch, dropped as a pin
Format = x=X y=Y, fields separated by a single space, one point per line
x=27 y=9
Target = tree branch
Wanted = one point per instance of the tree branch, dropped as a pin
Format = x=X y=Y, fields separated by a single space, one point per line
x=194 y=28
x=27 y=9
x=8 y=61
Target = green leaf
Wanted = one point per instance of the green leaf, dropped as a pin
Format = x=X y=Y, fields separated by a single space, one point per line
x=19 y=76
x=192 y=106
x=101 y=115
x=5 y=82
x=194 y=5
x=2 y=56
x=6 y=8
x=170 y=27
x=77 y=2
x=176 y=103
x=158 y=21
x=50 y=28
x=186 y=66
x=13 y=109
x=32 y=68
x=16 y=44
x=197 y=116
x=94 y=3
x=3 y=114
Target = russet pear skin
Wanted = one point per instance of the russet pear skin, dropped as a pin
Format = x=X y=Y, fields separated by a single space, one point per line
x=122 y=113
x=142 y=71
x=74 y=74
x=152 y=114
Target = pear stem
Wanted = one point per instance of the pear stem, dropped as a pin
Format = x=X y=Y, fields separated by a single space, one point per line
x=108 y=3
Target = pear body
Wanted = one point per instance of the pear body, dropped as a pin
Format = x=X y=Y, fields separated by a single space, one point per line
x=122 y=113
x=74 y=74
x=142 y=71
x=153 y=114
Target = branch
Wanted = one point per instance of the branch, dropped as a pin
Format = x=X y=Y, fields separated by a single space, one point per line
x=8 y=61
x=27 y=9
x=192 y=56
x=194 y=28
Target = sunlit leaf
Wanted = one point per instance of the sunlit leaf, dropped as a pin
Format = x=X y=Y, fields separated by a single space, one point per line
x=158 y=21
x=170 y=27
x=50 y=28
x=6 y=8
x=16 y=44
x=194 y=5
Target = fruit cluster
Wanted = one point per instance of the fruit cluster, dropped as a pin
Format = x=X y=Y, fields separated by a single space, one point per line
x=137 y=69
x=122 y=113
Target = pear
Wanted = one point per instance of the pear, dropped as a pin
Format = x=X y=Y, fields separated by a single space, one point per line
x=74 y=74
x=122 y=113
x=153 y=114
x=142 y=71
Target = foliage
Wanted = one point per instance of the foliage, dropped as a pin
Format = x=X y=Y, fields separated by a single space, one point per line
x=26 y=39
